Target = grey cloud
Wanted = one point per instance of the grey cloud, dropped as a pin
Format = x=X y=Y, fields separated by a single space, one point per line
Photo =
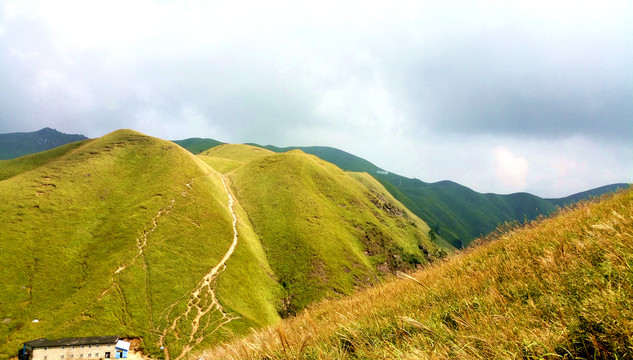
x=444 y=77
x=508 y=84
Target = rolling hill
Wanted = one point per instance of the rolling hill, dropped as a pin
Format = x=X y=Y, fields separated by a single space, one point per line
x=343 y=226
x=14 y=145
x=197 y=145
x=455 y=212
x=557 y=288
x=132 y=235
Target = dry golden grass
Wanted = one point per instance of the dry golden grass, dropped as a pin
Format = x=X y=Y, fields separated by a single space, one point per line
x=559 y=288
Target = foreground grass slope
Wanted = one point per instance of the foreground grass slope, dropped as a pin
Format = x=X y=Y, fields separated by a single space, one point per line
x=560 y=288
x=112 y=236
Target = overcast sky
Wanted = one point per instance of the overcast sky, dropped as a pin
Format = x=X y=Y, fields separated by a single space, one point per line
x=500 y=96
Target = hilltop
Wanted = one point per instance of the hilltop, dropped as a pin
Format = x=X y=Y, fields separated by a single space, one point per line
x=557 y=288
x=343 y=231
x=134 y=235
x=14 y=145
x=455 y=212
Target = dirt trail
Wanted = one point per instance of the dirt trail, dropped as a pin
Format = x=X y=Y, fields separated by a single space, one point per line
x=141 y=243
x=202 y=302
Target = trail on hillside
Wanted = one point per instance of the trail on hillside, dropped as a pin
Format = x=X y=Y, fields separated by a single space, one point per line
x=203 y=310
x=141 y=243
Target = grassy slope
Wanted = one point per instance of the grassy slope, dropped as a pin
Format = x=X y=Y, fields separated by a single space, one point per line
x=340 y=158
x=73 y=221
x=228 y=157
x=10 y=168
x=561 y=288
x=455 y=212
x=376 y=187
x=589 y=194
x=77 y=215
x=322 y=230
x=197 y=145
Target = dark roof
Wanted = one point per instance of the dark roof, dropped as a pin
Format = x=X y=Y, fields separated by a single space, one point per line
x=93 y=340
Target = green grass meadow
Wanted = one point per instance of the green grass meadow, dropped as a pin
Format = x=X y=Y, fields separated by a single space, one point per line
x=558 y=288
x=113 y=236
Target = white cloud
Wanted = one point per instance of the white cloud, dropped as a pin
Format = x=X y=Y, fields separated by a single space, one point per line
x=419 y=88
x=512 y=171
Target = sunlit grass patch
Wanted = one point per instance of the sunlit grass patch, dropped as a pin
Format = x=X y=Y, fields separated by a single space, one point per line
x=556 y=288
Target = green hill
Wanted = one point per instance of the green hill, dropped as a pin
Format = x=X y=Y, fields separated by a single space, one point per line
x=12 y=167
x=114 y=237
x=454 y=211
x=14 y=145
x=457 y=213
x=324 y=231
x=197 y=145
x=559 y=288
x=131 y=235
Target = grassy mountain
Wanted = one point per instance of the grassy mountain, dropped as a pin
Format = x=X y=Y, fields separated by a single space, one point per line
x=115 y=236
x=18 y=144
x=12 y=167
x=454 y=211
x=560 y=288
x=325 y=231
x=340 y=158
x=132 y=235
x=197 y=145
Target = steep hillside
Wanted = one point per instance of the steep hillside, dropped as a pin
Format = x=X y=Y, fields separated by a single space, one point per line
x=10 y=168
x=568 y=200
x=324 y=231
x=18 y=144
x=561 y=288
x=454 y=211
x=134 y=236
x=124 y=235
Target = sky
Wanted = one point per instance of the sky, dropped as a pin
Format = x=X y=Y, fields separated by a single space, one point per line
x=499 y=96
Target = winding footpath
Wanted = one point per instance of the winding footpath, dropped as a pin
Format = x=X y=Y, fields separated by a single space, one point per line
x=141 y=243
x=202 y=303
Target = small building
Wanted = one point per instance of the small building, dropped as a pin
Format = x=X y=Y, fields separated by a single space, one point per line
x=121 y=348
x=82 y=348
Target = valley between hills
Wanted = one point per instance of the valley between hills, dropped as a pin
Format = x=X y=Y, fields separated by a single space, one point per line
x=190 y=248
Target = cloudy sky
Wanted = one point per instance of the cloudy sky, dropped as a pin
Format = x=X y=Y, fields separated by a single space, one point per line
x=499 y=96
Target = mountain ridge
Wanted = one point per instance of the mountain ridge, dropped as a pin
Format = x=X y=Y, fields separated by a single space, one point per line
x=17 y=144
x=134 y=235
x=456 y=212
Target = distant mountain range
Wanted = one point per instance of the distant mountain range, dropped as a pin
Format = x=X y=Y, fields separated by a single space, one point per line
x=14 y=145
